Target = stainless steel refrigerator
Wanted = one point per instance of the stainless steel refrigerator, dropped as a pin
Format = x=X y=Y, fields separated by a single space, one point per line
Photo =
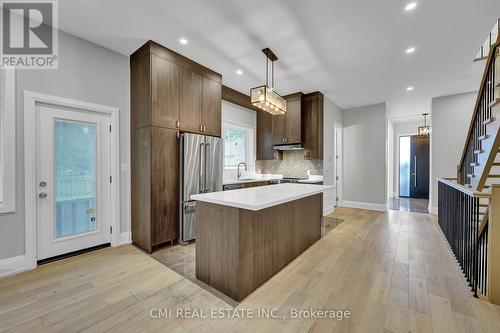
x=201 y=164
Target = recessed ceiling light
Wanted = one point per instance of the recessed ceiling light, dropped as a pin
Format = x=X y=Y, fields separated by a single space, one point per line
x=411 y=6
x=410 y=88
x=183 y=41
x=239 y=72
x=410 y=50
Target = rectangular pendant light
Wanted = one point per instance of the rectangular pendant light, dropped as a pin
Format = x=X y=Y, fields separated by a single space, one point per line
x=264 y=97
x=268 y=100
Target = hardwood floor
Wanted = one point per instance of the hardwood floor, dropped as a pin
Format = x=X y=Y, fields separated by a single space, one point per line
x=393 y=271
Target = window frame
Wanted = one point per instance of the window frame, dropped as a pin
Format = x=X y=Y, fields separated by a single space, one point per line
x=8 y=181
x=249 y=144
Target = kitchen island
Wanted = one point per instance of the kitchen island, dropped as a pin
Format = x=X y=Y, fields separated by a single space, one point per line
x=245 y=236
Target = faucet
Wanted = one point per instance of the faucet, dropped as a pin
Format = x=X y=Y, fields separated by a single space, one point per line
x=239 y=172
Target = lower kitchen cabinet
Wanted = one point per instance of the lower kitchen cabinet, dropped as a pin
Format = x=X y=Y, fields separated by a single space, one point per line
x=155 y=186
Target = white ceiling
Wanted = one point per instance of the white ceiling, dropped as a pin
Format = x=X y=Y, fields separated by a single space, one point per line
x=351 y=50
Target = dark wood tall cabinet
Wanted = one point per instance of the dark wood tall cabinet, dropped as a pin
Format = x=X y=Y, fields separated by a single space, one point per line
x=170 y=94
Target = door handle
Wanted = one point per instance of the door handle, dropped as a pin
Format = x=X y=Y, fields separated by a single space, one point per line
x=415 y=172
x=206 y=163
x=42 y=195
x=202 y=187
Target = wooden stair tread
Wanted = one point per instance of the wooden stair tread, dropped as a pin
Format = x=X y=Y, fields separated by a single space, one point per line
x=494 y=102
x=489 y=120
x=483 y=137
x=496 y=164
x=479 y=151
x=471 y=175
x=476 y=164
x=493 y=176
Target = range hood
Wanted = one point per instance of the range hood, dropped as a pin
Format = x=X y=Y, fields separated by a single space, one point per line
x=295 y=146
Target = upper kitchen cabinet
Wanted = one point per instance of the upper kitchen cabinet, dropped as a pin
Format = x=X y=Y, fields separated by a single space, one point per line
x=265 y=149
x=191 y=100
x=212 y=100
x=287 y=128
x=312 y=118
x=279 y=129
x=293 y=126
x=165 y=85
x=172 y=91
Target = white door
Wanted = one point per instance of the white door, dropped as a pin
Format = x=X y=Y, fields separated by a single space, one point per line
x=73 y=180
x=338 y=162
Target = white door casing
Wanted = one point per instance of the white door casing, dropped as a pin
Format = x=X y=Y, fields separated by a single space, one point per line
x=338 y=161
x=31 y=101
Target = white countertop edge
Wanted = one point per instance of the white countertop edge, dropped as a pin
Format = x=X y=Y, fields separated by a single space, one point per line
x=207 y=198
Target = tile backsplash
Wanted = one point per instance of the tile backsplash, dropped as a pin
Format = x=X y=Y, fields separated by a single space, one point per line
x=292 y=165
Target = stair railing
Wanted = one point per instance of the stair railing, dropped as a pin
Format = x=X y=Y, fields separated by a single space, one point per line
x=481 y=116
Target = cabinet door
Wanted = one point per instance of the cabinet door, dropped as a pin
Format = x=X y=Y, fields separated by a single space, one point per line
x=164 y=185
x=191 y=100
x=165 y=77
x=212 y=99
x=293 y=122
x=311 y=129
x=265 y=150
x=279 y=129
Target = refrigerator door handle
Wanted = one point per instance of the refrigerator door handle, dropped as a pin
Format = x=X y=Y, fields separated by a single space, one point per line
x=202 y=169
x=207 y=155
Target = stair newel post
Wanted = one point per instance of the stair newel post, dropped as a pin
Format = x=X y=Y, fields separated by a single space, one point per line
x=493 y=260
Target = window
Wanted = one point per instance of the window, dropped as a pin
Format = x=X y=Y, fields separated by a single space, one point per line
x=7 y=140
x=239 y=145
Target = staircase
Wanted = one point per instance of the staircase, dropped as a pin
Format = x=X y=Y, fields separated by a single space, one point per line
x=469 y=205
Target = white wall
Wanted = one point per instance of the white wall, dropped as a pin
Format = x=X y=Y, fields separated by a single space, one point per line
x=450 y=122
x=86 y=72
x=332 y=115
x=364 y=150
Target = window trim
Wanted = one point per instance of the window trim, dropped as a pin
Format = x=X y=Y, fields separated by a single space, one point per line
x=248 y=153
x=8 y=205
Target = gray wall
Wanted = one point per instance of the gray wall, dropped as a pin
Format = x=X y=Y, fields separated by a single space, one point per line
x=364 y=150
x=86 y=72
x=450 y=121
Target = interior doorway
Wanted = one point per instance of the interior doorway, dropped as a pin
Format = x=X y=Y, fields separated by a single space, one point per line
x=413 y=171
x=414 y=166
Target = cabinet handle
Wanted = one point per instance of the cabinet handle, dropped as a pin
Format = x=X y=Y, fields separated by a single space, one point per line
x=201 y=128
x=177 y=124
x=204 y=128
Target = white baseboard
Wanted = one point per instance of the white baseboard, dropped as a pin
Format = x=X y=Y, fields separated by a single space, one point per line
x=433 y=210
x=363 y=205
x=12 y=265
x=125 y=238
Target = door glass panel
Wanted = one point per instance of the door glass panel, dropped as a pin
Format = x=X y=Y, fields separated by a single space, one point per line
x=404 y=166
x=75 y=177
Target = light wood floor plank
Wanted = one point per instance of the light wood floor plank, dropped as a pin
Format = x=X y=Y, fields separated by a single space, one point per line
x=393 y=271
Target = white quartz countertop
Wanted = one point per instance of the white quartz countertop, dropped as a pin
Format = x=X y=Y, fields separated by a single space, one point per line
x=257 y=198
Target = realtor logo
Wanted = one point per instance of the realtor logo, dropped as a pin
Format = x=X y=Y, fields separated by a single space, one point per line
x=29 y=34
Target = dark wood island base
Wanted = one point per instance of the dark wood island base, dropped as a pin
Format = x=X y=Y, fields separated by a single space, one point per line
x=237 y=249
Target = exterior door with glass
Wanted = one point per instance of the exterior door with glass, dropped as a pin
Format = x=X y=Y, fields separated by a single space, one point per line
x=73 y=180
